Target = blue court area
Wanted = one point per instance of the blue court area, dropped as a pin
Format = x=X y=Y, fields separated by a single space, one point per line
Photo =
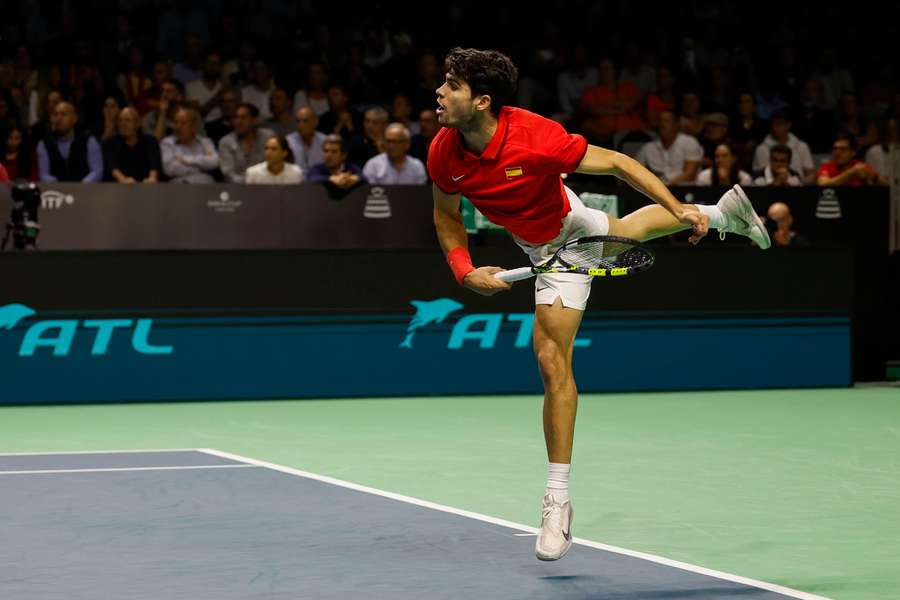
x=201 y=524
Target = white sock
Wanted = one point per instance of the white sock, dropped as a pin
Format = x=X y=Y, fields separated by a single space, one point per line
x=558 y=481
x=716 y=218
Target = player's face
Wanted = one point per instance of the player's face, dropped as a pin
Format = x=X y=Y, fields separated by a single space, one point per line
x=455 y=103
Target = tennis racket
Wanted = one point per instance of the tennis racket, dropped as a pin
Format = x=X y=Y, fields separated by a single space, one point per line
x=596 y=255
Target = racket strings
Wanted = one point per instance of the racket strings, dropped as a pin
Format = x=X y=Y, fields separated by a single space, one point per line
x=607 y=255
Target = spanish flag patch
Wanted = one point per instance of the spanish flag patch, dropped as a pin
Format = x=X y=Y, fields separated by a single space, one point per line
x=514 y=172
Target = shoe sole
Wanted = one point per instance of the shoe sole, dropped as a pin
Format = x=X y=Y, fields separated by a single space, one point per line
x=547 y=558
x=756 y=220
x=552 y=558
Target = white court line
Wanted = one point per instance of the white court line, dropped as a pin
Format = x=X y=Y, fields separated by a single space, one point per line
x=772 y=587
x=114 y=469
x=98 y=452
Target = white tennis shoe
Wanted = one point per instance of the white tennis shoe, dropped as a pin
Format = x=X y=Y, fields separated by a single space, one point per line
x=740 y=218
x=555 y=537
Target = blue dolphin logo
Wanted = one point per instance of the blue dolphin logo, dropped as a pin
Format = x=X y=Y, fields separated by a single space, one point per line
x=427 y=312
x=11 y=314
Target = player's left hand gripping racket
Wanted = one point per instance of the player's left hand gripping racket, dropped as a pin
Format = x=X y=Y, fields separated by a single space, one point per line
x=596 y=255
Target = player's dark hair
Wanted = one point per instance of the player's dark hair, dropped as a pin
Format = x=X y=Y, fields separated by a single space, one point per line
x=487 y=72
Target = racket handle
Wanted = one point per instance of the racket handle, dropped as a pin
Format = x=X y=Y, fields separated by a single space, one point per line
x=514 y=274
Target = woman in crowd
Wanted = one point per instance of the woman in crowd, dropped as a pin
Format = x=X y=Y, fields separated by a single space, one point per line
x=279 y=167
x=725 y=171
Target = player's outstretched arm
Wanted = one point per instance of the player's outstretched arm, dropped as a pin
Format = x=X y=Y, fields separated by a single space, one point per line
x=600 y=161
x=454 y=242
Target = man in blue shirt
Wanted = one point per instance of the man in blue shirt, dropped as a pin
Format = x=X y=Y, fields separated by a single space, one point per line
x=335 y=170
x=66 y=154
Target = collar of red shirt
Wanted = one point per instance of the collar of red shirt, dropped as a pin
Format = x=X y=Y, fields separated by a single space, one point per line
x=493 y=148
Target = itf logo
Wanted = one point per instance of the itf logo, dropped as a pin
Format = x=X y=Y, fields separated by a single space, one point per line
x=60 y=334
x=483 y=328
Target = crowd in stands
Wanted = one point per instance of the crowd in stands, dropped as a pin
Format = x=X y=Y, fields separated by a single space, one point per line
x=279 y=92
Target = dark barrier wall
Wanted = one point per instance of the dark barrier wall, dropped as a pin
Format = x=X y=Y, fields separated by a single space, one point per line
x=245 y=318
x=97 y=327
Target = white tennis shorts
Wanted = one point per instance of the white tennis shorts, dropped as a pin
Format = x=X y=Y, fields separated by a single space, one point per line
x=573 y=288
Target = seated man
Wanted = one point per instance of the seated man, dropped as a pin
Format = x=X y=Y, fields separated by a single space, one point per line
x=187 y=158
x=844 y=168
x=675 y=157
x=394 y=166
x=306 y=142
x=132 y=156
x=335 y=170
x=66 y=154
x=780 y=226
x=778 y=171
x=244 y=146
x=801 y=157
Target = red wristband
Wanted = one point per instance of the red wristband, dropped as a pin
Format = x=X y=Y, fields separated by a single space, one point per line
x=460 y=262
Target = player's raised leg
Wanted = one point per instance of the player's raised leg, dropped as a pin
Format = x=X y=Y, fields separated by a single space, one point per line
x=732 y=214
x=555 y=327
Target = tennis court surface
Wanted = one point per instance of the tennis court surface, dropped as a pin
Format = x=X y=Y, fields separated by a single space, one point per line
x=204 y=524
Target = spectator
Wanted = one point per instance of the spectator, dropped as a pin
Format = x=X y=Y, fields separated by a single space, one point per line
x=191 y=68
x=45 y=125
x=430 y=78
x=187 y=157
x=219 y=128
x=339 y=118
x=778 y=171
x=429 y=127
x=835 y=80
x=747 y=130
x=371 y=142
x=780 y=133
x=17 y=156
x=162 y=72
x=675 y=157
x=244 y=146
x=401 y=112
x=663 y=98
x=844 y=169
x=725 y=170
x=205 y=92
x=714 y=132
x=609 y=106
x=259 y=91
x=879 y=155
x=636 y=70
x=691 y=121
x=160 y=123
x=780 y=224
x=851 y=121
x=131 y=156
x=111 y=110
x=307 y=143
x=67 y=154
x=335 y=170
x=572 y=82
x=282 y=120
x=278 y=167
x=4 y=176
x=134 y=83
x=315 y=95
x=394 y=166
x=812 y=122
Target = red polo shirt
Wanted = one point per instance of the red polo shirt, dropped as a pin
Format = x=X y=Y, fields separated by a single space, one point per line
x=830 y=169
x=515 y=182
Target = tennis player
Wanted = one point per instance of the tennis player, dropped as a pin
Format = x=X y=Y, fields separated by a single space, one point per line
x=508 y=162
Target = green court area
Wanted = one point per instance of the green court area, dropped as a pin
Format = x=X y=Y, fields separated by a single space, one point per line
x=799 y=488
